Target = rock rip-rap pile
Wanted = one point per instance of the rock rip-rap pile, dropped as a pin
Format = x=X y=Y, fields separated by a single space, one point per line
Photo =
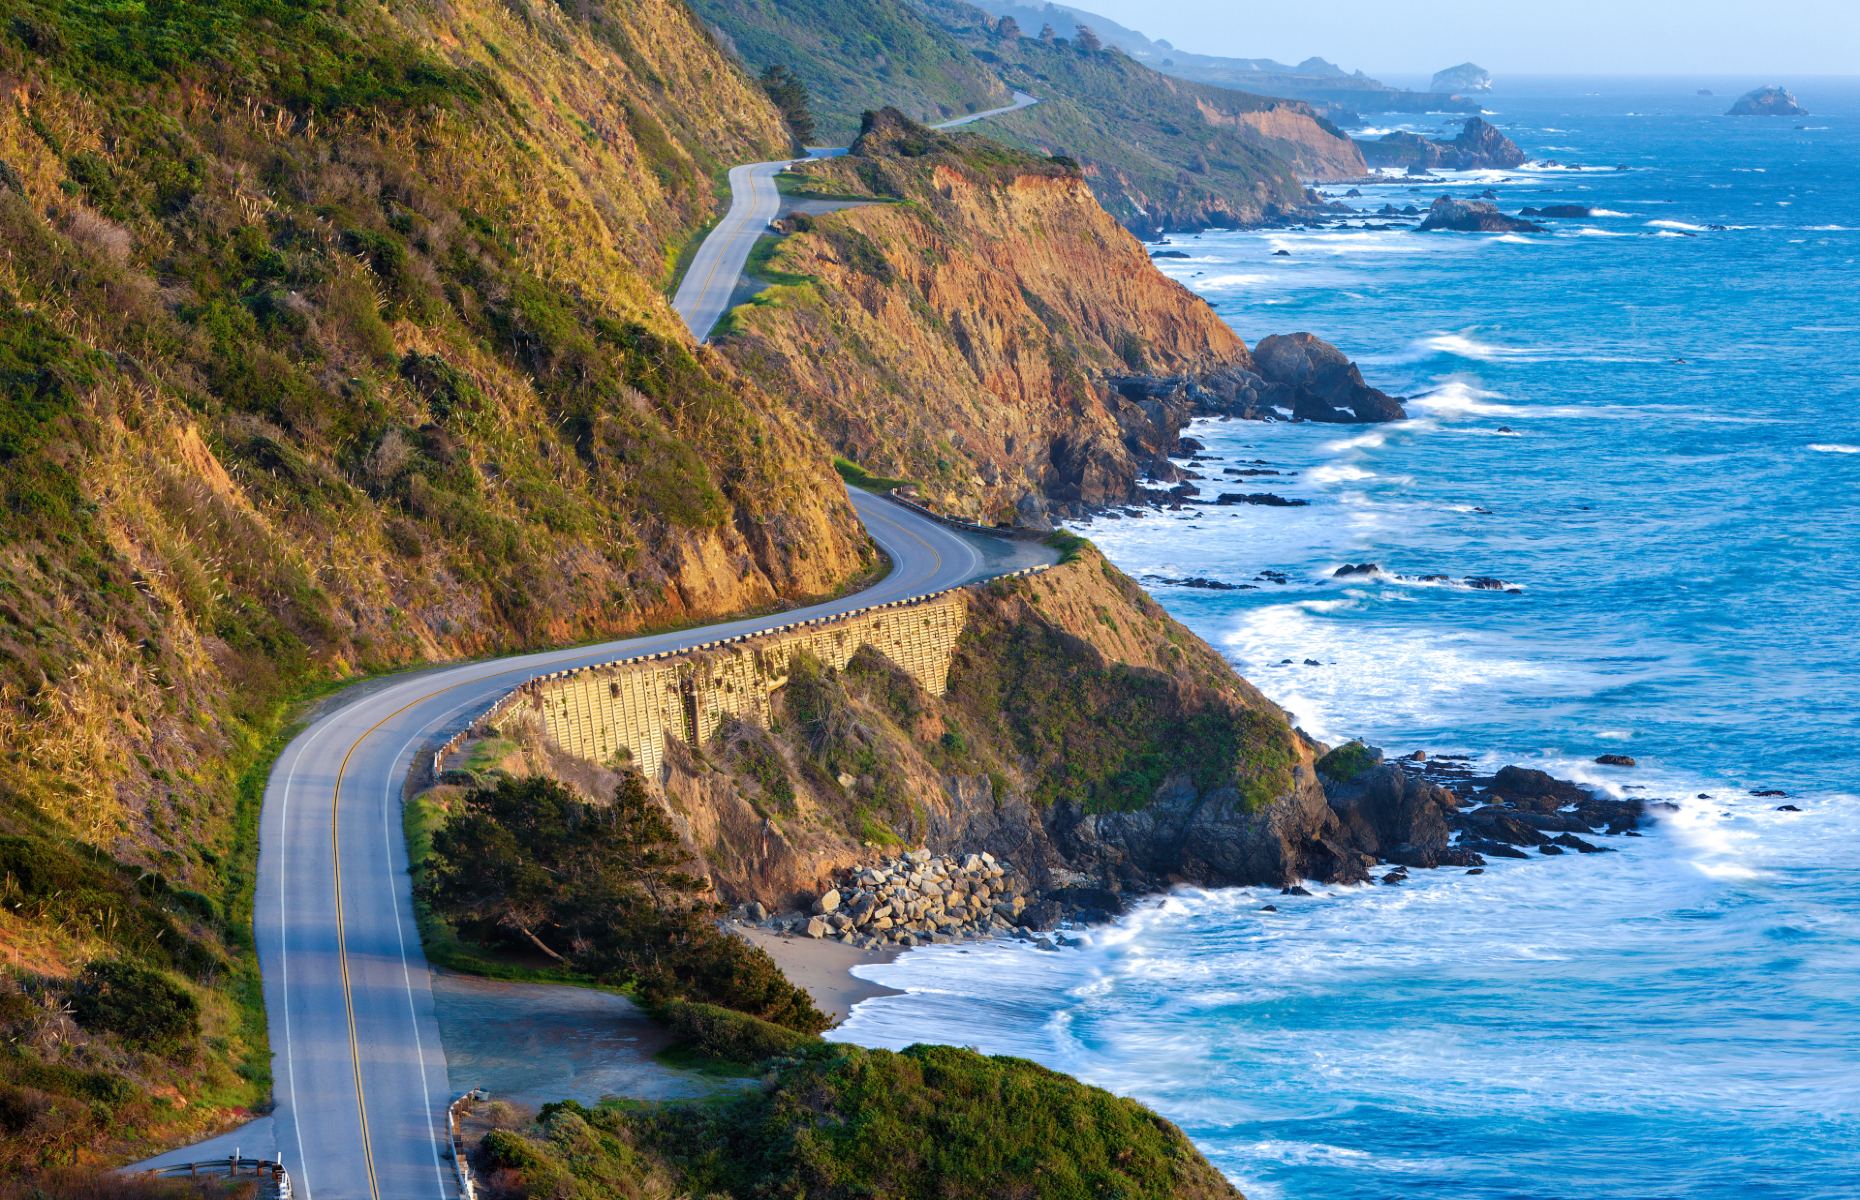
x=919 y=899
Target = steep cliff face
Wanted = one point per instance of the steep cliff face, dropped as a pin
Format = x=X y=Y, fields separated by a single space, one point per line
x=963 y=338
x=332 y=337
x=1086 y=739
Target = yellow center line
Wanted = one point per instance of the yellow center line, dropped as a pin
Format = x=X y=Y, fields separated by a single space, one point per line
x=342 y=941
x=342 y=947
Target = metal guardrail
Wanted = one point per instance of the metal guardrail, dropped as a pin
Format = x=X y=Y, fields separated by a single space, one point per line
x=468 y=1186
x=232 y=1167
x=1010 y=532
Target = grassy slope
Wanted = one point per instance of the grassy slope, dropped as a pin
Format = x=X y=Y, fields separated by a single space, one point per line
x=332 y=339
x=840 y=1122
x=1160 y=152
x=857 y=54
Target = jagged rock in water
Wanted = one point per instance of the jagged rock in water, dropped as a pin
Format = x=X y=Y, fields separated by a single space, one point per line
x=1473 y=216
x=1326 y=385
x=1767 y=102
x=1478 y=146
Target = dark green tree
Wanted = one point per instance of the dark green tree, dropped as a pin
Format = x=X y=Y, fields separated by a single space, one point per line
x=605 y=889
x=789 y=95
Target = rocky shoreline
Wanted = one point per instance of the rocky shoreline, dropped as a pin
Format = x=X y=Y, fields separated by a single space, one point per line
x=1377 y=821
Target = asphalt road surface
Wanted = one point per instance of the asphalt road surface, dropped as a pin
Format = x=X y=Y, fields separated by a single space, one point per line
x=358 y=1070
x=704 y=294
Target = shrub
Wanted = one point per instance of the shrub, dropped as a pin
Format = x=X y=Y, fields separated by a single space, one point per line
x=726 y=1034
x=1348 y=761
x=141 y=1006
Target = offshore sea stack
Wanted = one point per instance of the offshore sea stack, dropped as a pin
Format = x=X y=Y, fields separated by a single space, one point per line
x=1479 y=146
x=1473 y=216
x=1767 y=102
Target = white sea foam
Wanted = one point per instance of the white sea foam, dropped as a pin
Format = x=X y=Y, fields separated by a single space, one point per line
x=1683 y=226
x=1831 y=228
x=1338 y=473
x=1592 y=231
x=1465 y=346
x=1374 y=437
x=1515 y=239
x=1609 y=212
x=1833 y=448
x=1235 y=280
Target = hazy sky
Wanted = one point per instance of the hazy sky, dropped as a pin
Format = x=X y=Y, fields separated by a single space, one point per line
x=1758 y=38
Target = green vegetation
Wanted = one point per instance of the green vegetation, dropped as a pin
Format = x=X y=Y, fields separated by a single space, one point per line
x=1159 y=152
x=789 y=95
x=839 y=1122
x=856 y=54
x=1108 y=734
x=1348 y=761
x=324 y=350
x=1070 y=545
x=857 y=476
x=526 y=867
x=723 y=1035
x=143 y=1007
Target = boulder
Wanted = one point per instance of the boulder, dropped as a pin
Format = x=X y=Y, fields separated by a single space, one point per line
x=1397 y=816
x=1327 y=386
x=829 y=900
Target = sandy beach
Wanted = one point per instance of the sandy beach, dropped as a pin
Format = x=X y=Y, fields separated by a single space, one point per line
x=823 y=967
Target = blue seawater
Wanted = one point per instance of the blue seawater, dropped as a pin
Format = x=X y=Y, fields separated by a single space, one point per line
x=1651 y=426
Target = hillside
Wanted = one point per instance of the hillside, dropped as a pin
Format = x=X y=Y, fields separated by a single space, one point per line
x=998 y=290
x=333 y=340
x=857 y=54
x=1159 y=153
x=1085 y=739
x=986 y=331
x=834 y=1122
x=1341 y=93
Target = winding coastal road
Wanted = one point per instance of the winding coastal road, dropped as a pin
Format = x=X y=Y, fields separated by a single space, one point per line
x=359 y=1073
x=704 y=293
x=358 y=1070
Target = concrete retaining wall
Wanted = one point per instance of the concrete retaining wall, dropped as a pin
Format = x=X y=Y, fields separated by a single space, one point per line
x=623 y=711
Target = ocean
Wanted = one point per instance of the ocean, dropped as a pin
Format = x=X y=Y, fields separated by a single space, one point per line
x=1647 y=424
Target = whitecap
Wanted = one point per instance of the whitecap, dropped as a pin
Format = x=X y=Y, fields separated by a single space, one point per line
x=1514 y=239
x=1609 y=212
x=1592 y=231
x=1684 y=226
x=1338 y=473
x=1234 y=281
x=1833 y=448
x=1374 y=437
x=1831 y=228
